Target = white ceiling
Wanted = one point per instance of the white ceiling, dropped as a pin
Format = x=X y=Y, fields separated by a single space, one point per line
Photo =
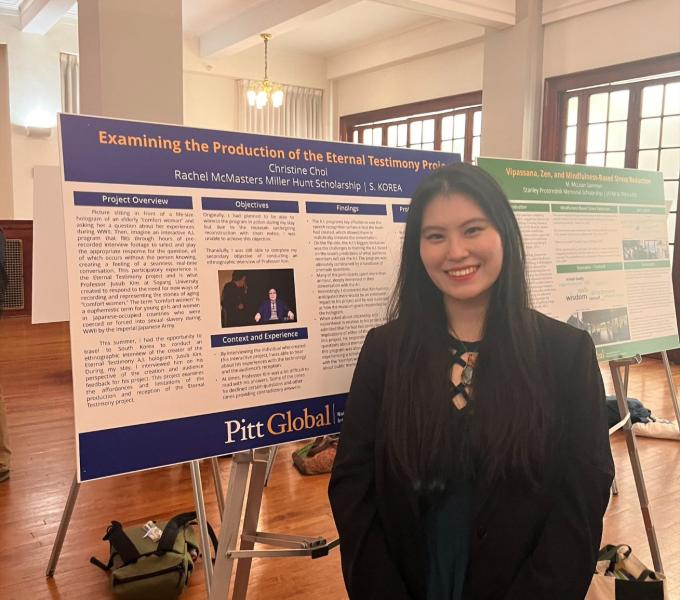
x=350 y=34
x=329 y=27
x=351 y=26
x=199 y=16
x=357 y=25
x=320 y=27
x=12 y=6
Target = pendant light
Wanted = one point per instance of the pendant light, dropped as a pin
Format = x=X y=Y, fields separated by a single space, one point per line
x=260 y=93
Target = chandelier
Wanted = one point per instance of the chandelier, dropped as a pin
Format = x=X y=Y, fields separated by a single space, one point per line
x=261 y=92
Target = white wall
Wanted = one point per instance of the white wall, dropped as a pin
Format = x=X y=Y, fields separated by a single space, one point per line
x=209 y=101
x=208 y=90
x=285 y=66
x=210 y=83
x=442 y=74
x=619 y=34
x=34 y=84
x=131 y=59
x=6 y=194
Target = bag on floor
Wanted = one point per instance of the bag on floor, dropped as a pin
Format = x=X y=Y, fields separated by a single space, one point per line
x=318 y=456
x=620 y=575
x=144 y=569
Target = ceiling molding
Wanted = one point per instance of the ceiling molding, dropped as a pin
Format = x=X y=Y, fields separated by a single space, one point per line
x=9 y=8
x=407 y=46
x=495 y=14
x=558 y=10
x=274 y=16
x=39 y=16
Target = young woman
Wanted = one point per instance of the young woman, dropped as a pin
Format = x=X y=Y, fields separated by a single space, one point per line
x=474 y=460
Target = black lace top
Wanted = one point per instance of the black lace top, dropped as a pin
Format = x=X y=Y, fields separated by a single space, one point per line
x=458 y=350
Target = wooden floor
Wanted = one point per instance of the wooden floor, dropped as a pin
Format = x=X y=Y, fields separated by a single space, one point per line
x=35 y=375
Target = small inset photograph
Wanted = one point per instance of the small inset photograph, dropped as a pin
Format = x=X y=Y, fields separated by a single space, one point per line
x=605 y=325
x=257 y=297
x=644 y=249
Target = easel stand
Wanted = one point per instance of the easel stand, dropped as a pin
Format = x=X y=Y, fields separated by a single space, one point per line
x=256 y=464
x=671 y=386
x=200 y=517
x=621 y=390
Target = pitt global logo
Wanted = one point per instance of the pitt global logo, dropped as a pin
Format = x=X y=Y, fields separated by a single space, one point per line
x=278 y=423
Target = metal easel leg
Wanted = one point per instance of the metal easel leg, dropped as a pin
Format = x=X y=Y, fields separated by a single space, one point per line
x=671 y=386
x=233 y=547
x=258 y=477
x=273 y=451
x=615 y=487
x=231 y=523
x=217 y=479
x=631 y=443
x=199 y=503
x=63 y=526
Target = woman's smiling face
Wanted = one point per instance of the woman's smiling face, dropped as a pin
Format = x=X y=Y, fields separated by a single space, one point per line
x=461 y=249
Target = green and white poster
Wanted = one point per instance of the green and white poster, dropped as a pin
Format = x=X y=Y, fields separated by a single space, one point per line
x=597 y=250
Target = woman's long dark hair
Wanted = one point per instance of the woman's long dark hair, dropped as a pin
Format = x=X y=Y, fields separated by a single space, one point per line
x=508 y=425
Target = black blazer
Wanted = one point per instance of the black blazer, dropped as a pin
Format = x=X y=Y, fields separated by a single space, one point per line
x=527 y=544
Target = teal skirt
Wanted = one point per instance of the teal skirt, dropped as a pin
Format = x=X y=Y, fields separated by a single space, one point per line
x=447 y=523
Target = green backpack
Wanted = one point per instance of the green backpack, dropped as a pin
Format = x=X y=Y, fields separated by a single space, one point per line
x=142 y=569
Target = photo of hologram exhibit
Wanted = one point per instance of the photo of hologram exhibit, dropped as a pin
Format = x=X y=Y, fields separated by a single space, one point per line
x=605 y=326
x=257 y=297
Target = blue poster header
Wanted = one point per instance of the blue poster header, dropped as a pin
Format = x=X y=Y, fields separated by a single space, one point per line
x=250 y=205
x=103 y=150
x=126 y=449
x=130 y=200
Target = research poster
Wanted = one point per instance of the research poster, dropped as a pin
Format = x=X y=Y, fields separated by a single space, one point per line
x=597 y=250
x=221 y=284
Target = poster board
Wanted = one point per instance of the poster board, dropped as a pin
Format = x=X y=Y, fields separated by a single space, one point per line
x=597 y=250
x=159 y=221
